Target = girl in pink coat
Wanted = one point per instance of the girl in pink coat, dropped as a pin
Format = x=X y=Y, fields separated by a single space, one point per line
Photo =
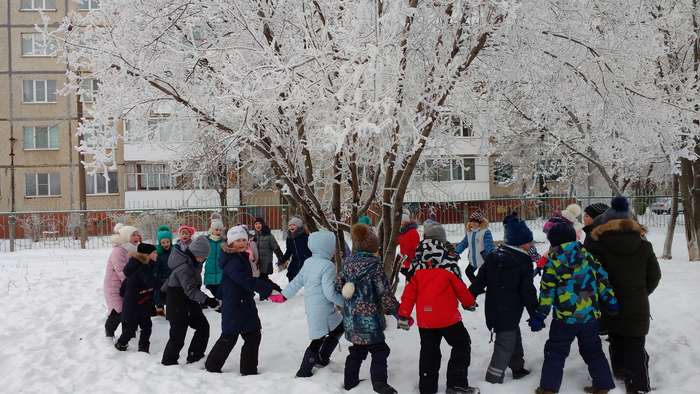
x=124 y=240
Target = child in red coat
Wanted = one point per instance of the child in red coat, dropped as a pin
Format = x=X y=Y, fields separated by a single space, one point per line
x=408 y=243
x=437 y=290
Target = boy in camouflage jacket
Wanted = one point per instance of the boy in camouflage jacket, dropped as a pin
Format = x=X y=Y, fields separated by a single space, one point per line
x=576 y=286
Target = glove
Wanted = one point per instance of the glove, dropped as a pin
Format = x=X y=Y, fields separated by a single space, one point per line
x=211 y=302
x=277 y=298
x=536 y=322
x=471 y=308
x=404 y=323
x=613 y=309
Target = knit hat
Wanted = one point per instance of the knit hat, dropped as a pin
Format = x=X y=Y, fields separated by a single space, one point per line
x=364 y=239
x=145 y=248
x=187 y=227
x=216 y=224
x=595 y=210
x=572 y=213
x=476 y=216
x=236 y=233
x=516 y=231
x=434 y=230
x=561 y=231
x=296 y=221
x=122 y=233
x=364 y=219
x=200 y=246
x=619 y=209
x=259 y=220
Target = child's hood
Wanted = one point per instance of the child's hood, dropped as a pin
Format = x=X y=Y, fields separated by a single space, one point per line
x=322 y=244
x=179 y=257
x=359 y=266
x=569 y=254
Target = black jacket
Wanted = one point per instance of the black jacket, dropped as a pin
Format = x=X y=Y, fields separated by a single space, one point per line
x=633 y=270
x=161 y=269
x=506 y=277
x=238 y=286
x=298 y=250
x=139 y=286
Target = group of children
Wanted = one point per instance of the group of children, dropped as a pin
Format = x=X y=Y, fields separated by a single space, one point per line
x=356 y=300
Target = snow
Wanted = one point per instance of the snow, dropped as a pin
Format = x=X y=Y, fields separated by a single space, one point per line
x=52 y=338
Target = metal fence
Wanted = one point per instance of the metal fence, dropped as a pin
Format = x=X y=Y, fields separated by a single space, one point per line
x=61 y=229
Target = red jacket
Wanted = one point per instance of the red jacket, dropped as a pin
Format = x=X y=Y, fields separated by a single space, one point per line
x=408 y=243
x=436 y=292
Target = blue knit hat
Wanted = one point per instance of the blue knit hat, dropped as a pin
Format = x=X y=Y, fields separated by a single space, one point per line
x=516 y=231
x=619 y=209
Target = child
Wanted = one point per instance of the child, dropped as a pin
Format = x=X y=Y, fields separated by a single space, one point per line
x=436 y=290
x=479 y=241
x=572 y=213
x=267 y=247
x=184 y=302
x=368 y=296
x=576 y=286
x=239 y=314
x=212 y=271
x=506 y=276
x=161 y=269
x=408 y=242
x=297 y=248
x=124 y=241
x=138 y=297
x=184 y=234
x=317 y=277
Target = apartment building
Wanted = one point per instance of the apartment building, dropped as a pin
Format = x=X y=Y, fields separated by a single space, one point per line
x=39 y=166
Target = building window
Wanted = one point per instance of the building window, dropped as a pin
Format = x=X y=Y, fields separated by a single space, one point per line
x=95 y=136
x=88 y=5
x=37 y=44
x=39 y=91
x=446 y=170
x=97 y=184
x=502 y=172
x=149 y=176
x=37 y=5
x=42 y=184
x=40 y=138
x=88 y=89
x=460 y=127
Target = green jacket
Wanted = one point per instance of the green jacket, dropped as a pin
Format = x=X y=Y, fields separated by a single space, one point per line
x=212 y=271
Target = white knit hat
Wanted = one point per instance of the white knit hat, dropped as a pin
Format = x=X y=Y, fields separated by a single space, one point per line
x=216 y=224
x=236 y=233
x=122 y=233
x=572 y=213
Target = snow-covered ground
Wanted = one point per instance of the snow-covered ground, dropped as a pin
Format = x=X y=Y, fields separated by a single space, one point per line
x=52 y=339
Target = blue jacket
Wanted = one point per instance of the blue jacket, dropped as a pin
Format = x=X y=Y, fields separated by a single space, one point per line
x=298 y=250
x=470 y=241
x=238 y=286
x=363 y=313
x=317 y=277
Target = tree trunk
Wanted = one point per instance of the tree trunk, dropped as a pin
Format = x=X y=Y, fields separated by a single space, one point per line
x=688 y=190
x=223 y=203
x=671 y=230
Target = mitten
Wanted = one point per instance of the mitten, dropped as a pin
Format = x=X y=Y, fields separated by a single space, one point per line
x=404 y=323
x=211 y=302
x=536 y=322
x=277 y=298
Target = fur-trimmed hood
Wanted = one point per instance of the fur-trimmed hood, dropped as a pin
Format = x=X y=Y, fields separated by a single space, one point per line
x=618 y=226
x=621 y=236
x=139 y=256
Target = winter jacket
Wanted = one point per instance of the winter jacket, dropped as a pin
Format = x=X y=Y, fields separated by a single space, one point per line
x=238 y=286
x=317 y=277
x=186 y=273
x=363 y=312
x=253 y=258
x=431 y=250
x=408 y=243
x=114 y=275
x=480 y=243
x=160 y=268
x=140 y=285
x=634 y=274
x=435 y=289
x=267 y=247
x=575 y=284
x=297 y=250
x=506 y=277
x=212 y=271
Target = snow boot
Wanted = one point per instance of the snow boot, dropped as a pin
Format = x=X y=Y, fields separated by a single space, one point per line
x=521 y=373
x=540 y=390
x=324 y=355
x=193 y=358
x=462 y=390
x=144 y=347
x=383 y=388
x=307 y=364
x=121 y=347
x=593 y=390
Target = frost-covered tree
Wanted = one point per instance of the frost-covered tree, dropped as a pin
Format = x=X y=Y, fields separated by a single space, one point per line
x=339 y=97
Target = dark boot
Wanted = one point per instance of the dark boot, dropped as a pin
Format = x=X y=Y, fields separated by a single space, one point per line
x=324 y=355
x=307 y=364
x=540 y=390
x=521 y=373
x=144 y=347
x=593 y=390
x=219 y=353
x=383 y=388
x=112 y=323
x=121 y=347
x=460 y=390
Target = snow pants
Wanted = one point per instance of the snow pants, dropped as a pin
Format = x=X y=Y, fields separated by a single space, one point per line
x=112 y=323
x=630 y=360
x=183 y=313
x=319 y=351
x=138 y=318
x=557 y=348
x=507 y=353
x=457 y=337
x=378 y=368
x=225 y=344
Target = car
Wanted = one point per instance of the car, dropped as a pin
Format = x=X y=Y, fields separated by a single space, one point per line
x=662 y=206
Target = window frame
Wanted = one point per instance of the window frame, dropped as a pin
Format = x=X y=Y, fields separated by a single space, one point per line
x=35 y=9
x=454 y=167
x=148 y=177
x=49 y=131
x=50 y=176
x=47 y=91
x=92 y=179
x=90 y=5
x=92 y=90
x=47 y=45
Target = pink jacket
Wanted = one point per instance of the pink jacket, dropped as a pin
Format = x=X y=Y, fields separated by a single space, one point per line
x=114 y=275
